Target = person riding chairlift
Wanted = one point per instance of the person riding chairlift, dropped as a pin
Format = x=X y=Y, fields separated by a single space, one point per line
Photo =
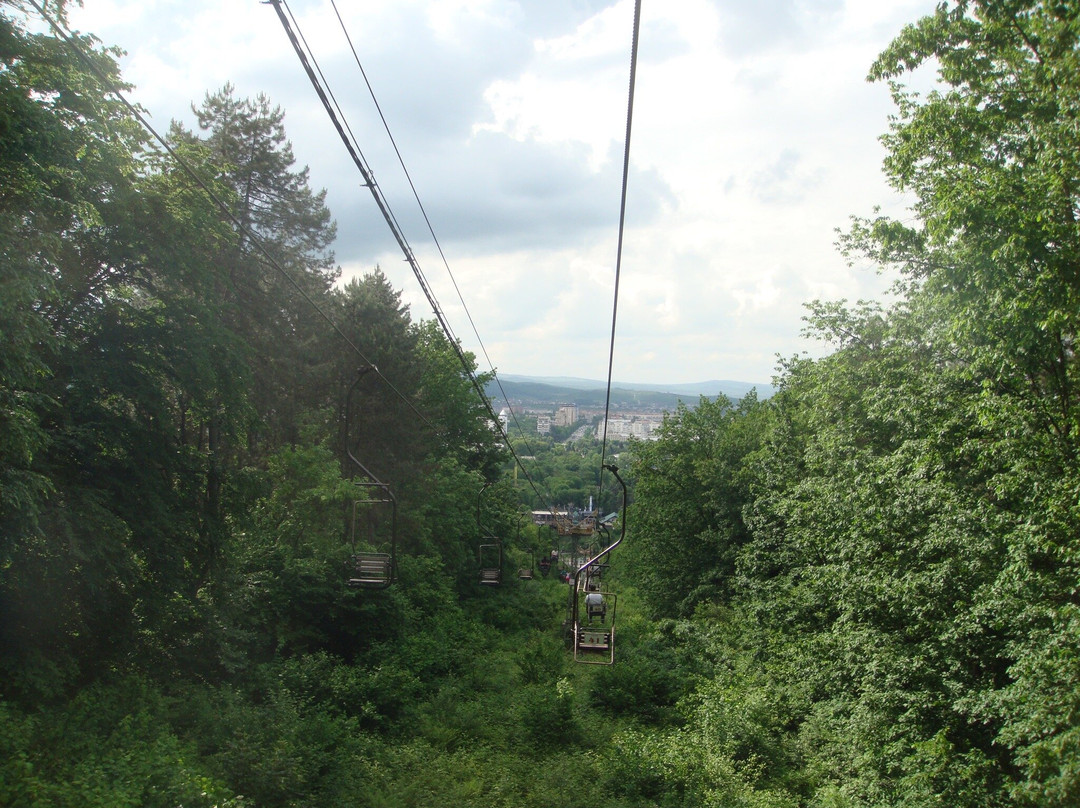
x=595 y=606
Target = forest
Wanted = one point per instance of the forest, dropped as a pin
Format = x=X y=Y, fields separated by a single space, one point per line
x=861 y=591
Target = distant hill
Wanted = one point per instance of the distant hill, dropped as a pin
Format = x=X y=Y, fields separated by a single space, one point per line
x=556 y=390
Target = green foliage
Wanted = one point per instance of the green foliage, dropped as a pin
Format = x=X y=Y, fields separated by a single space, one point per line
x=689 y=491
x=96 y=511
x=547 y=715
x=448 y=395
x=541 y=661
x=866 y=585
x=570 y=473
x=685 y=768
x=108 y=747
x=993 y=291
x=640 y=686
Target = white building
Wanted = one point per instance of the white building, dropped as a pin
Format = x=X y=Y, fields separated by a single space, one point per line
x=566 y=415
x=624 y=428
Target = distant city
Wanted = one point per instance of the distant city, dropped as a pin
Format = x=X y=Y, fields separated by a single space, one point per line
x=637 y=425
x=635 y=410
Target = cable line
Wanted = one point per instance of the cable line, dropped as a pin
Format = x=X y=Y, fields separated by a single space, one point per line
x=244 y=230
x=384 y=208
x=622 y=228
x=423 y=211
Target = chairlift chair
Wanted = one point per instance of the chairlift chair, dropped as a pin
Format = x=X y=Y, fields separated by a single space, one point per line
x=594 y=573
x=370 y=568
x=490 y=557
x=490 y=552
x=526 y=573
x=594 y=636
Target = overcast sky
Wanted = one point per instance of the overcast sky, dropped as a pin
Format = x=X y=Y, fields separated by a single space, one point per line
x=755 y=136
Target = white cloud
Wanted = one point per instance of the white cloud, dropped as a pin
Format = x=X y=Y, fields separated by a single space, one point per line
x=755 y=135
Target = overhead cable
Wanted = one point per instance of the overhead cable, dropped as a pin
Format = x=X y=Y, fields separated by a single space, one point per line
x=622 y=228
x=423 y=211
x=388 y=216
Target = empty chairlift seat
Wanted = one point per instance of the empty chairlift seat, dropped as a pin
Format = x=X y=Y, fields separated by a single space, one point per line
x=490 y=552
x=490 y=564
x=370 y=570
x=526 y=573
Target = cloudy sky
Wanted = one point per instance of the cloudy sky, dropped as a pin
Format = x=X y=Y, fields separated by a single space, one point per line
x=755 y=136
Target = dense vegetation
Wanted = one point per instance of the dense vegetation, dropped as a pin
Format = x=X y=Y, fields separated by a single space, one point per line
x=861 y=592
x=568 y=471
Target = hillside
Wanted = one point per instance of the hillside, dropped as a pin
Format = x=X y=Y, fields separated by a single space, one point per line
x=553 y=391
x=240 y=571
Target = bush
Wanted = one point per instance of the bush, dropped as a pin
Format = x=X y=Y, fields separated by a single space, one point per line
x=541 y=661
x=546 y=716
x=639 y=687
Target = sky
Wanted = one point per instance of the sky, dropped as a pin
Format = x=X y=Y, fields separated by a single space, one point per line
x=755 y=137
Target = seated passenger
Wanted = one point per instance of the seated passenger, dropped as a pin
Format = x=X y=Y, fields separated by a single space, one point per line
x=595 y=606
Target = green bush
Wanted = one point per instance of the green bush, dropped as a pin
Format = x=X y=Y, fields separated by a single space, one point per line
x=546 y=716
x=637 y=686
x=541 y=660
x=109 y=747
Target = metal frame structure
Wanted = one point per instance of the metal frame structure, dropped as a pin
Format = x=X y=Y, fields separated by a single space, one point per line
x=596 y=644
x=369 y=569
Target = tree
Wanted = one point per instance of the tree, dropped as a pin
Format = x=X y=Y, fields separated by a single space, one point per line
x=688 y=496
x=874 y=554
x=115 y=342
x=993 y=161
x=452 y=394
x=65 y=159
x=272 y=303
x=386 y=430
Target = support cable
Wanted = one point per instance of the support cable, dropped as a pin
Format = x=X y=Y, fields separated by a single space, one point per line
x=384 y=208
x=622 y=228
x=427 y=221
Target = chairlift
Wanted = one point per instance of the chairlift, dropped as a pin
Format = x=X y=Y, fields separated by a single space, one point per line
x=594 y=637
x=526 y=573
x=490 y=557
x=489 y=554
x=594 y=573
x=592 y=611
x=370 y=568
